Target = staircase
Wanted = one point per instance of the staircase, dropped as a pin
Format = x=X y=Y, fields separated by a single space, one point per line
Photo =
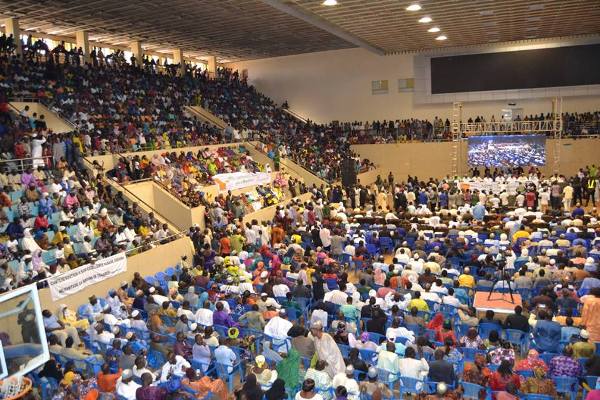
x=54 y=121
x=205 y=115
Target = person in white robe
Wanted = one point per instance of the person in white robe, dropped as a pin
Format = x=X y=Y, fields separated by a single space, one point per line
x=277 y=328
x=327 y=350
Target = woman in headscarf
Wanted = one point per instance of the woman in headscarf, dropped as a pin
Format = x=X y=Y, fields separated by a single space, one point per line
x=204 y=386
x=472 y=340
x=446 y=333
x=503 y=376
x=478 y=373
x=379 y=277
x=264 y=375
x=502 y=352
x=288 y=369
x=321 y=379
x=277 y=391
x=69 y=318
x=539 y=384
x=28 y=242
x=532 y=361
x=250 y=390
x=436 y=322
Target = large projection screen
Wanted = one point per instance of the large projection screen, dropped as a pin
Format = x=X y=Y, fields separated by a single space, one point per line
x=507 y=151
x=526 y=69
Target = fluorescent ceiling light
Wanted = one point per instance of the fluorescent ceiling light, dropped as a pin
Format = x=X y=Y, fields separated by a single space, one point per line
x=413 y=7
x=425 y=20
x=434 y=29
x=441 y=37
x=330 y=3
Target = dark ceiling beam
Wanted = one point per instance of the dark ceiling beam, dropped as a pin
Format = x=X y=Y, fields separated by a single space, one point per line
x=324 y=25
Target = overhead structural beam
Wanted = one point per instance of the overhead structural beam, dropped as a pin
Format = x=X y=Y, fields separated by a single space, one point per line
x=323 y=24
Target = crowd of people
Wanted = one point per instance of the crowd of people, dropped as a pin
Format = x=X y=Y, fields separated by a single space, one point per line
x=361 y=291
x=358 y=132
x=118 y=107
x=365 y=291
x=54 y=220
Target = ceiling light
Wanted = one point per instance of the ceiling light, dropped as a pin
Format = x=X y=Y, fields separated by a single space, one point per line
x=425 y=20
x=434 y=29
x=441 y=37
x=413 y=7
x=330 y=3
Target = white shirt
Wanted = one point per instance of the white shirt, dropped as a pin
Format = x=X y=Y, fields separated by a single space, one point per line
x=177 y=369
x=350 y=384
x=127 y=390
x=451 y=300
x=204 y=317
x=325 y=236
x=280 y=290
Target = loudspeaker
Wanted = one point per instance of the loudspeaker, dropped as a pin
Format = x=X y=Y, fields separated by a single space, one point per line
x=348 y=172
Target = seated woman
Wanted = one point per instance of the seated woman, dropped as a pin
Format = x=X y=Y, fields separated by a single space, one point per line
x=205 y=386
x=503 y=352
x=472 y=340
x=69 y=318
x=503 y=376
x=478 y=373
x=264 y=376
x=308 y=391
x=532 y=361
x=539 y=384
x=320 y=378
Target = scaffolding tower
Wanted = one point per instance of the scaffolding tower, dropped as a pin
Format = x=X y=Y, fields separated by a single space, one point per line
x=456 y=156
x=557 y=131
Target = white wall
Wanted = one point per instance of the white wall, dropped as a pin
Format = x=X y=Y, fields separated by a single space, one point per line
x=336 y=85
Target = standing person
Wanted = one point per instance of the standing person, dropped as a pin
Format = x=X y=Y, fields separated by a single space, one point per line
x=36 y=150
x=328 y=350
x=555 y=195
x=590 y=315
x=591 y=191
x=567 y=196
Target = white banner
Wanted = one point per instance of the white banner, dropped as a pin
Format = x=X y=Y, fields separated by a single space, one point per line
x=71 y=282
x=240 y=180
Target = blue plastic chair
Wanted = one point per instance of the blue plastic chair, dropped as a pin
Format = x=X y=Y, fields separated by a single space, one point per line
x=526 y=373
x=517 y=338
x=537 y=397
x=548 y=356
x=368 y=356
x=470 y=353
x=409 y=386
x=472 y=390
x=486 y=327
x=566 y=385
x=387 y=377
x=224 y=374
x=591 y=381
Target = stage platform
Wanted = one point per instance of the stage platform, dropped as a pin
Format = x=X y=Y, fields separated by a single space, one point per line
x=500 y=303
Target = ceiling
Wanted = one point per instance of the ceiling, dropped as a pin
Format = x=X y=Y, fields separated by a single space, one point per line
x=229 y=29
x=249 y=29
x=387 y=25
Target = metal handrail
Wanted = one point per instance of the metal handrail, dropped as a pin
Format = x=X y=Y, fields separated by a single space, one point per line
x=23 y=99
x=25 y=162
x=128 y=252
x=113 y=182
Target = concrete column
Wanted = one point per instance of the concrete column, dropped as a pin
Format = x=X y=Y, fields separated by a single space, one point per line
x=211 y=66
x=138 y=52
x=82 y=40
x=11 y=27
x=178 y=59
